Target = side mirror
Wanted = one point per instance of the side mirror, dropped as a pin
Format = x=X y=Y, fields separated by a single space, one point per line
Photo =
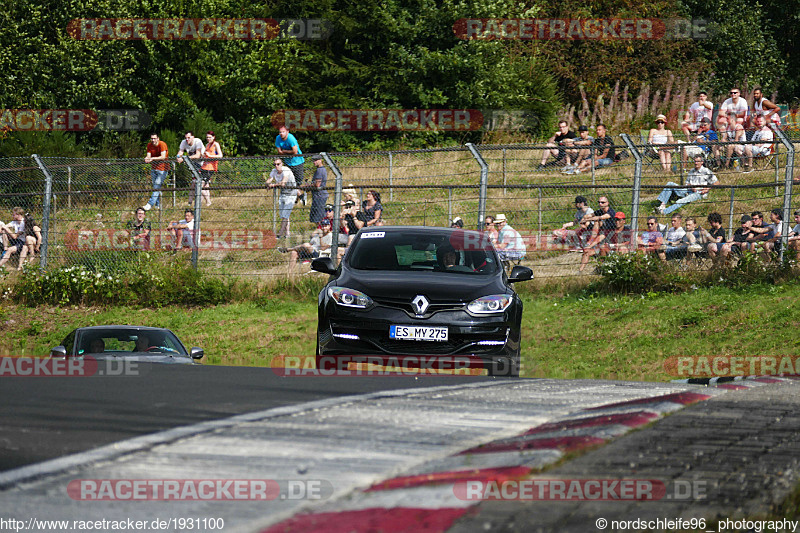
x=520 y=273
x=324 y=265
x=58 y=351
x=196 y=353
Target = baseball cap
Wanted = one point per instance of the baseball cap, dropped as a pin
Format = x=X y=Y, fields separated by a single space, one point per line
x=619 y=214
x=328 y=207
x=583 y=128
x=745 y=218
x=457 y=222
x=316 y=157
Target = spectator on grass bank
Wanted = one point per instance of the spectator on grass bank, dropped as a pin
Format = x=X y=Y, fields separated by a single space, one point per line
x=286 y=144
x=794 y=235
x=556 y=146
x=733 y=133
x=740 y=236
x=583 y=150
x=602 y=241
x=209 y=167
x=762 y=135
x=319 y=196
x=371 y=210
x=760 y=232
x=509 y=245
x=318 y=245
x=705 y=143
x=776 y=223
x=14 y=233
x=282 y=177
x=490 y=229
x=580 y=235
x=715 y=238
x=183 y=231
x=33 y=240
x=698 y=181
x=675 y=247
x=661 y=135
x=652 y=240
x=603 y=148
x=344 y=237
x=701 y=109
x=139 y=231
x=602 y=219
x=156 y=155
x=457 y=223
x=762 y=106
x=736 y=105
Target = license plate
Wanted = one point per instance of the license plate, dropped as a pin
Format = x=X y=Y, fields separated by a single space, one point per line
x=418 y=333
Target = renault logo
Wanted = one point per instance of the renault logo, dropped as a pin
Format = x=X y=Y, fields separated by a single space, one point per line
x=420 y=304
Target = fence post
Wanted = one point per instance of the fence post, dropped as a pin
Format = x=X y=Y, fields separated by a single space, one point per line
x=449 y=205
x=48 y=192
x=337 y=204
x=483 y=183
x=730 y=215
x=69 y=187
x=787 y=190
x=637 y=185
x=504 y=172
x=540 y=211
x=391 y=174
x=198 y=186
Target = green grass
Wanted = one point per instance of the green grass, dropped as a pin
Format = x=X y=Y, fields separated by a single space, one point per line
x=565 y=335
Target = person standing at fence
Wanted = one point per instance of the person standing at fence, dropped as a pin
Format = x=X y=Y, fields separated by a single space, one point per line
x=194 y=149
x=319 y=196
x=210 y=167
x=139 y=231
x=157 y=153
x=282 y=177
x=286 y=144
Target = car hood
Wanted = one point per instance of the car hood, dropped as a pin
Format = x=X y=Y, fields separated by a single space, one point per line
x=146 y=358
x=434 y=285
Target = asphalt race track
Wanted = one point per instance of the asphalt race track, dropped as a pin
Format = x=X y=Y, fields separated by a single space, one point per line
x=47 y=417
x=358 y=454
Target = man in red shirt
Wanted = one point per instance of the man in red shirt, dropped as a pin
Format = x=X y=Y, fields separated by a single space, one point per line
x=157 y=157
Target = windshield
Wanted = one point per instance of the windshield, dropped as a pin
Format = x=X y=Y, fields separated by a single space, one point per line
x=461 y=252
x=125 y=341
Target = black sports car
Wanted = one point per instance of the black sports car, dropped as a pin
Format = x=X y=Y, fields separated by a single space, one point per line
x=431 y=293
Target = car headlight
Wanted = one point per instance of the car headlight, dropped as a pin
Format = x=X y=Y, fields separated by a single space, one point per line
x=496 y=303
x=349 y=297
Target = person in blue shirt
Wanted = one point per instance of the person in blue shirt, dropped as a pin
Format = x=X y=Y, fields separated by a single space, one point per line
x=286 y=144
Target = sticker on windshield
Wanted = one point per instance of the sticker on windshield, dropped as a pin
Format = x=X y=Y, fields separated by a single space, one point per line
x=374 y=235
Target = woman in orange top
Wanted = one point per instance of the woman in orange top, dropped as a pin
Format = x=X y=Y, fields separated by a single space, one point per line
x=209 y=168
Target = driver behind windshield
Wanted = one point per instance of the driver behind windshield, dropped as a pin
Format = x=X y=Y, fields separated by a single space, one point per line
x=142 y=343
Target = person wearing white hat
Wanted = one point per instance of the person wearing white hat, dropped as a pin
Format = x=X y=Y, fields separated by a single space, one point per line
x=457 y=223
x=510 y=244
x=661 y=135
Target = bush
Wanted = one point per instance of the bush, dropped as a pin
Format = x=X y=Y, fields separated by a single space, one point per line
x=143 y=282
x=640 y=273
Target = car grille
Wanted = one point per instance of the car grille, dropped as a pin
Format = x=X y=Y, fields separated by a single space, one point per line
x=405 y=305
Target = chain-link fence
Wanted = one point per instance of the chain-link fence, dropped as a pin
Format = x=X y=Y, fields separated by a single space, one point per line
x=87 y=207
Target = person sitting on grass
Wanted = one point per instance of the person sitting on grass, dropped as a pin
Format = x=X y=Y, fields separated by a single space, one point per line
x=603 y=242
x=319 y=245
x=183 y=230
x=739 y=242
x=714 y=238
x=698 y=183
x=651 y=241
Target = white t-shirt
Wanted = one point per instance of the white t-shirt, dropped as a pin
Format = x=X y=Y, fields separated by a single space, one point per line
x=197 y=146
x=740 y=108
x=699 y=112
x=764 y=134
